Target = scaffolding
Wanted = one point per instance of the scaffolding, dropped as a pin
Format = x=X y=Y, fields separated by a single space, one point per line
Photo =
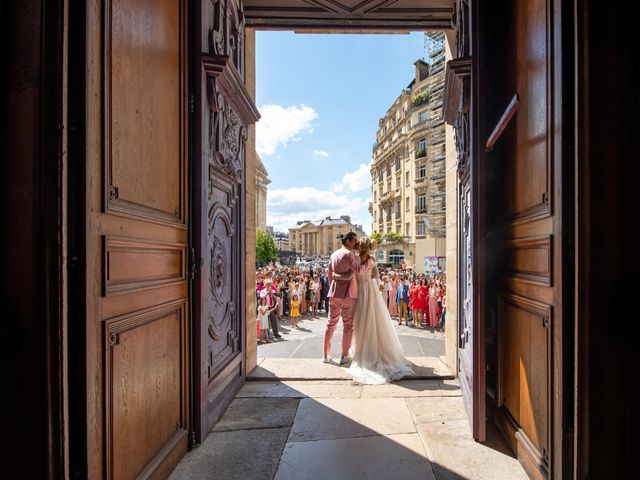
x=436 y=152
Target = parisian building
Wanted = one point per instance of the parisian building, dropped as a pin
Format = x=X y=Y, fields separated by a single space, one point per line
x=408 y=205
x=262 y=180
x=320 y=237
x=281 y=240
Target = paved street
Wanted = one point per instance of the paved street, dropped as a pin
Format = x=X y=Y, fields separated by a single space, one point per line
x=304 y=340
x=298 y=354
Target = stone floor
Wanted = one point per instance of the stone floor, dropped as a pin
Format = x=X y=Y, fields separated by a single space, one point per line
x=413 y=429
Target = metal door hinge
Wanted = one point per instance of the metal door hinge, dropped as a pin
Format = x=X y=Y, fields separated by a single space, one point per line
x=192 y=102
x=193 y=264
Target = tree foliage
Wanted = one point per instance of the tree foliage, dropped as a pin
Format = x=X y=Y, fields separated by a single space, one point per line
x=394 y=237
x=377 y=236
x=266 y=250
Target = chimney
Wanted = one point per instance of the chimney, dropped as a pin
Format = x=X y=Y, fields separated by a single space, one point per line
x=346 y=218
x=422 y=70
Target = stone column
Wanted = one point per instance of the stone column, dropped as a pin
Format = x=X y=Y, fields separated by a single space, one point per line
x=451 y=222
x=251 y=349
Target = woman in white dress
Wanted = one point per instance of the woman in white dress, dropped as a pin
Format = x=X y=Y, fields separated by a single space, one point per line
x=378 y=356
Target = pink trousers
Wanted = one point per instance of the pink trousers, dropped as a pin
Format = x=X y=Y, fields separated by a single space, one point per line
x=340 y=307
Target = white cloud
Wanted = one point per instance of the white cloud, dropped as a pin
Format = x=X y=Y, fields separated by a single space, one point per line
x=321 y=153
x=356 y=181
x=279 y=125
x=286 y=206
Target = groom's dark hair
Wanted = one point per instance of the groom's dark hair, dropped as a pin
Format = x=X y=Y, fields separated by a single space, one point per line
x=347 y=236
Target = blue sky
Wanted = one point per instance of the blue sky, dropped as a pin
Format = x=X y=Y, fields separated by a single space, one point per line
x=321 y=97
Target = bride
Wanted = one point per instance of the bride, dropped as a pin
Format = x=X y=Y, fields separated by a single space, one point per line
x=378 y=356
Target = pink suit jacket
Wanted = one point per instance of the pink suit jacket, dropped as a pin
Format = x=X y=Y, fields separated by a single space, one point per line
x=344 y=261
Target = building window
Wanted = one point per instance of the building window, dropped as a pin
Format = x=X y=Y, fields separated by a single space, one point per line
x=422 y=145
x=407 y=229
x=424 y=116
x=398 y=209
x=398 y=163
x=406 y=201
x=407 y=179
x=421 y=203
x=398 y=181
x=422 y=171
x=388 y=170
x=422 y=228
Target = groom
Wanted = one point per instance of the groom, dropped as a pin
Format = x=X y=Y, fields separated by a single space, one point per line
x=342 y=295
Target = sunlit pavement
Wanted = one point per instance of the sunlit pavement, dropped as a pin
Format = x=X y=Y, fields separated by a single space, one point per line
x=412 y=429
x=298 y=418
x=303 y=339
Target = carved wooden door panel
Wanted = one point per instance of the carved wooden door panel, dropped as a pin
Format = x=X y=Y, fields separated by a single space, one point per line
x=471 y=339
x=223 y=111
x=529 y=308
x=137 y=356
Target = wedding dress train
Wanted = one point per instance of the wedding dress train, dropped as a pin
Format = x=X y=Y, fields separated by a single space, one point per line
x=378 y=356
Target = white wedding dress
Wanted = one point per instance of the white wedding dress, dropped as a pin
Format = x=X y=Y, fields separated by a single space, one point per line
x=378 y=356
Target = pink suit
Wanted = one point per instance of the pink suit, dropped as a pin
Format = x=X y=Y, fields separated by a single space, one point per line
x=342 y=296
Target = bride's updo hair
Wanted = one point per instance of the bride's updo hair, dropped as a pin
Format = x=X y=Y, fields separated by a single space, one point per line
x=365 y=247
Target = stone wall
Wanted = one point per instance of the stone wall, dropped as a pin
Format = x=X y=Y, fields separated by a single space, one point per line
x=451 y=319
x=251 y=348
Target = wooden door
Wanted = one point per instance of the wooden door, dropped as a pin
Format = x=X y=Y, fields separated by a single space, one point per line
x=136 y=225
x=461 y=111
x=223 y=111
x=529 y=303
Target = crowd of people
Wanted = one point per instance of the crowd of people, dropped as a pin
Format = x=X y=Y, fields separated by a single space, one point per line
x=418 y=300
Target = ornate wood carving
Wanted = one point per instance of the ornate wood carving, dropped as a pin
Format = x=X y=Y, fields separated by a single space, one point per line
x=226 y=111
x=461 y=26
x=457 y=100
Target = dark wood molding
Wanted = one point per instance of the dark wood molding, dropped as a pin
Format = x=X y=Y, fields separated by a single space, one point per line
x=508 y=114
x=223 y=77
x=456 y=88
x=113 y=245
x=541 y=276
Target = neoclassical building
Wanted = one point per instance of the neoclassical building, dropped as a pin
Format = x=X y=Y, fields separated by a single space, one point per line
x=320 y=237
x=408 y=167
x=262 y=180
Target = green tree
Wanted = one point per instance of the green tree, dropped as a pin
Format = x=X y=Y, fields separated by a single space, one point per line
x=394 y=237
x=377 y=236
x=266 y=250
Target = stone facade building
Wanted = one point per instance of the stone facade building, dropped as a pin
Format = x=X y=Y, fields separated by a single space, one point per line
x=262 y=180
x=321 y=237
x=281 y=240
x=408 y=167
